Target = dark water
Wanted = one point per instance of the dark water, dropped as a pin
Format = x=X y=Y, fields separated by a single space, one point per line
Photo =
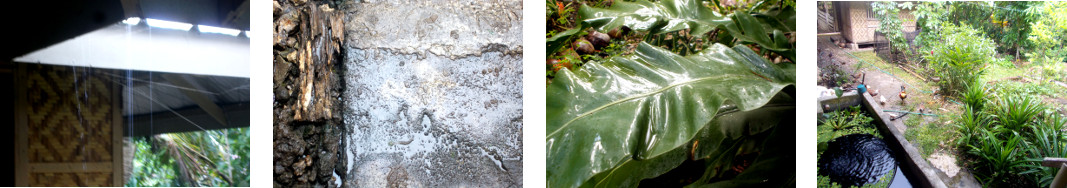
x=856 y=159
x=900 y=180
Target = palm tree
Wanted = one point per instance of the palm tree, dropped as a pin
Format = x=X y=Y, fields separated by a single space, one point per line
x=201 y=158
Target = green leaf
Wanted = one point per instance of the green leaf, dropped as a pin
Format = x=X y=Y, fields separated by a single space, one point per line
x=766 y=171
x=747 y=28
x=557 y=42
x=617 y=119
x=666 y=16
x=663 y=17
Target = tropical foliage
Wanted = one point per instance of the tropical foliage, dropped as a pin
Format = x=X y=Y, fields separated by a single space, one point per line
x=889 y=22
x=1006 y=141
x=844 y=122
x=1005 y=128
x=682 y=26
x=203 y=158
x=1008 y=23
x=1049 y=32
x=959 y=58
x=610 y=120
x=679 y=81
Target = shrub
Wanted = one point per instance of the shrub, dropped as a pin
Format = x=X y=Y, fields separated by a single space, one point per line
x=971 y=122
x=1048 y=141
x=975 y=95
x=1049 y=32
x=1016 y=112
x=960 y=58
x=1007 y=152
x=888 y=14
x=997 y=162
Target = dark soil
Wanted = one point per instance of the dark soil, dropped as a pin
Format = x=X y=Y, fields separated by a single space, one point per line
x=307 y=84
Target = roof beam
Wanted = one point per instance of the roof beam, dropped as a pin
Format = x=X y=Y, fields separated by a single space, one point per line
x=200 y=99
x=145 y=48
x=191 y=119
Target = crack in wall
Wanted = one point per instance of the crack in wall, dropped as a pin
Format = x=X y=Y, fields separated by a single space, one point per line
x=454 y=29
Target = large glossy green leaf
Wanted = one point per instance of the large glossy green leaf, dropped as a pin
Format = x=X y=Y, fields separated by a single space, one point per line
x=662 y=17
x=769 y=168
x=718 y=142
x=628 y=114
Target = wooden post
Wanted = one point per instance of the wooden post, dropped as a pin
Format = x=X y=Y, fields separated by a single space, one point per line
x=1061 y=177
x=1060 y=180
x=117 y=170
x=22 y=173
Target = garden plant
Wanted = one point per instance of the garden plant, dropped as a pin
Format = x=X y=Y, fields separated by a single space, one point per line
x=992 y=75
x=674 y=92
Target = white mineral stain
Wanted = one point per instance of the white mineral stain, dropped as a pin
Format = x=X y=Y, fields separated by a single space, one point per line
x=434 y=87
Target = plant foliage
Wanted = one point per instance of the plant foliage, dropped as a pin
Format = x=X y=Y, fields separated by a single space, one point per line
x=998 y=159
x=616 y=122
x=1007 y=23
x=767 y=29
x=845 y=122
x=1017 y=112
x=202 y=158
x=1007 y=141
x=1049 y=32
x=889 y=22
x=960 y=58
x=975 y=95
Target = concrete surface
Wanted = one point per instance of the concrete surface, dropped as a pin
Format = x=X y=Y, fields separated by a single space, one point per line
x=433 y=94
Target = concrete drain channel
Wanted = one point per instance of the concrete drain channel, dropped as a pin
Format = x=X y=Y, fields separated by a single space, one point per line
x=433 y=94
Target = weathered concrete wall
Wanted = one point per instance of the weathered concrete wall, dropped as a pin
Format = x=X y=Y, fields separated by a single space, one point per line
x=434 y=94
x=446 y=28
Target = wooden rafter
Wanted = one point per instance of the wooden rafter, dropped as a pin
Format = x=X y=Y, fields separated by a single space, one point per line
x=200 y=99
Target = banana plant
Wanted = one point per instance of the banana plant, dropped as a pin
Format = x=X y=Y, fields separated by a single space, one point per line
x=616 y=122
